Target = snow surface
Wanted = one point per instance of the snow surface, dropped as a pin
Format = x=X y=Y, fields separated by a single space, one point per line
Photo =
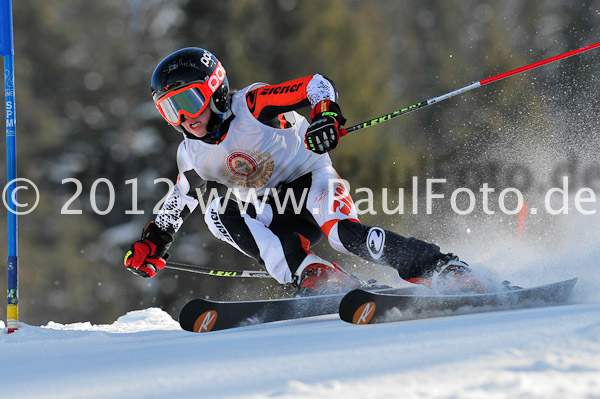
x=545 y=353
x=551 y=352
x=541 y=353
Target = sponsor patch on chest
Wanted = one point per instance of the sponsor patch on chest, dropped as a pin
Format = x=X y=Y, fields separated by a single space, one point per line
x=252 y=169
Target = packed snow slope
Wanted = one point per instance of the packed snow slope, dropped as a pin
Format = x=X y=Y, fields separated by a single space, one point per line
x=551 y=352
x=545 y=353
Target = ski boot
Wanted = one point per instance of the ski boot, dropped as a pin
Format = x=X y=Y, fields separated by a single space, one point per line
x=452 y=276
x=316 y=276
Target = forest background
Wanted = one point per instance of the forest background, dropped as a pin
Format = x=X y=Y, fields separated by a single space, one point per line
x=84 y=112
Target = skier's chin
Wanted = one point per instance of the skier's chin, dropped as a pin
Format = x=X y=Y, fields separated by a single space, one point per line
x=197 y=132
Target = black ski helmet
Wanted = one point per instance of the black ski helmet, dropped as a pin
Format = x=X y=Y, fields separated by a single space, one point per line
x=194 y=67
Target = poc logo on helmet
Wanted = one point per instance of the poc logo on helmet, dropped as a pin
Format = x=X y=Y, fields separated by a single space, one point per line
x=206 y=58
x=375 y=242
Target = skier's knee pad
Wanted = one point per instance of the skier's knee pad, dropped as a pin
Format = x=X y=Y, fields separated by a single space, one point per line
x=365 y=241
x=410 y=256
x=345 y=234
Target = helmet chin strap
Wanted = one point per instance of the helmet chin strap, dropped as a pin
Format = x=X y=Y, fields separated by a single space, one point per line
x=217 y=128
x=213 y=129
x=217 y=125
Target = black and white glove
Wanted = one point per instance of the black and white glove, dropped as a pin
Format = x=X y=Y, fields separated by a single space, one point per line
x=325 y=131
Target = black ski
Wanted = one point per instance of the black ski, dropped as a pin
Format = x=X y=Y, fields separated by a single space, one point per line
x=204 y=315
x=363 y=307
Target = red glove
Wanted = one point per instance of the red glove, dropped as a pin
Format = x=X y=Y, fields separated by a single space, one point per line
x=148 y=255
x=324 y=132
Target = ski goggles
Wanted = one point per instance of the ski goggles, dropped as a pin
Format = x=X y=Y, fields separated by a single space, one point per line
x=190 y=100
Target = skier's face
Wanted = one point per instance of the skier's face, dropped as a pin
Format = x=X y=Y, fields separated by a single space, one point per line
x=197 y=125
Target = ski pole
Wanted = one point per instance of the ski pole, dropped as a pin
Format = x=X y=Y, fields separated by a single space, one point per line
x=425 y=103
x=216 y=272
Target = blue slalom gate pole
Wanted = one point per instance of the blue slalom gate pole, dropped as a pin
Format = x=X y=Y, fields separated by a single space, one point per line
x=7 y=51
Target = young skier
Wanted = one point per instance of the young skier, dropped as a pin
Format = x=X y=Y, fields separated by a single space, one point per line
x=254 y=143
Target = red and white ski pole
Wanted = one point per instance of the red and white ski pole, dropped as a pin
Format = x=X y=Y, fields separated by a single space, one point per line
x=472 y=86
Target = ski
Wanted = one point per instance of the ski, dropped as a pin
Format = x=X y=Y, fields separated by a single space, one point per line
x=363 y=307
x=204 y=315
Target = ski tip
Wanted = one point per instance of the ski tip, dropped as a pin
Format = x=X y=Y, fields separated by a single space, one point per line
x=205 y=322
x=364 y=313
x=195 y=319
x=356 y=307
